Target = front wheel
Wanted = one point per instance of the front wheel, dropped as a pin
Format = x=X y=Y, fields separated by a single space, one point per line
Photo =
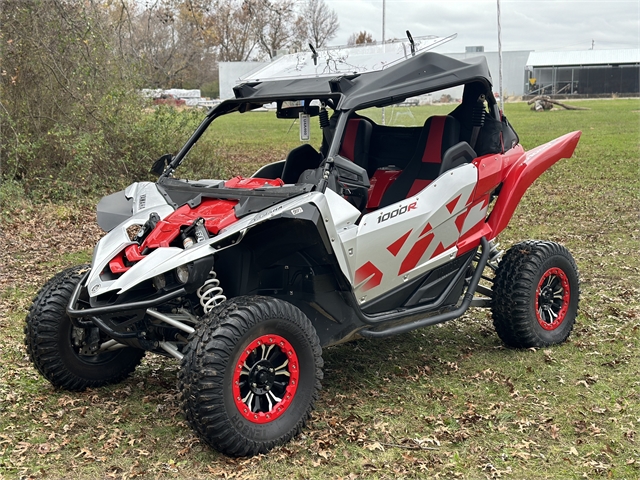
x=535 y=295
x=250 y=375
x=55 y=345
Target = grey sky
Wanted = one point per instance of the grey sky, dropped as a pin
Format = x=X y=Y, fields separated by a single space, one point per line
x=542 y=25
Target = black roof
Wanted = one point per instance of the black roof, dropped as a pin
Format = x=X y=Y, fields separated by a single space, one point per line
x=424 y=73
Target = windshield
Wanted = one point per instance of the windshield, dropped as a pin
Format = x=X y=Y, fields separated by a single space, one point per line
x=240 y=143
x=343 y=60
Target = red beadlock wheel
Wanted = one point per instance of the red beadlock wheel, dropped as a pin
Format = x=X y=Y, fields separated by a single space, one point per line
x=535 y=296
x=265 y=379
x=552 y=298
x=251 y=375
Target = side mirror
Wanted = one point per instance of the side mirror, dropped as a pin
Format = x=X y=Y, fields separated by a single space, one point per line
x=160 y=164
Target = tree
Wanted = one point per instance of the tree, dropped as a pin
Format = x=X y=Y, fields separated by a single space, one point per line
x=274 y=24
x=235 y=27
x=317 y=23
x=173 y=40
x=360 y=38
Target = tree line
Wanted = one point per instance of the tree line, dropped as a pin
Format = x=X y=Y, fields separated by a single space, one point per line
x=69 y=118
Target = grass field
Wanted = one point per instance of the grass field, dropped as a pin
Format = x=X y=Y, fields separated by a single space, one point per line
x=447 y=401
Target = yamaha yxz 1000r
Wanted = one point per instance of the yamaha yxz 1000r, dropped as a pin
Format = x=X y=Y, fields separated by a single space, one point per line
x=382 y=230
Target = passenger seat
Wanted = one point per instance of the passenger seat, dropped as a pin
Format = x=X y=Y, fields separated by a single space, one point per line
x=438 y=135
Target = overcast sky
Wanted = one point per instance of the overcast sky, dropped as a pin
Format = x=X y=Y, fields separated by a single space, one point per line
x=541 y=25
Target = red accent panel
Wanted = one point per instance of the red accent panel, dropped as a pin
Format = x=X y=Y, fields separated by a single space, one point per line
x=426 y=229
x=440 y=249
x=433 y=149
x=415 y=254
x=252 y=183
x=380 y=181
x=395 y=247
x=164 y=233
x=471 y=239
x=116 y=265
x=133 y=253
x=524 y=172
x=348 y=147
x=489 y=174
x=452 y=204
x=460 y=220
x=417 y=186
x=364 y=272
x=217 y=215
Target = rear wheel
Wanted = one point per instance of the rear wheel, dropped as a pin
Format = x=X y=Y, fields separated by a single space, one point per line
x=535 y=295
x=55 y=345
x=251 y=375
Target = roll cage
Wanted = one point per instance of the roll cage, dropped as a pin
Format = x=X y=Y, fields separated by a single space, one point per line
x=345 y=94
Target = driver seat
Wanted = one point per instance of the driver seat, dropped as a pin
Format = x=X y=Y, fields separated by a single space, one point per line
x=356 y=141
x=301 y=158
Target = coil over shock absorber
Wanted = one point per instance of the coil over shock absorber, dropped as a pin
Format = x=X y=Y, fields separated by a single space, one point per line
x=324 y=117
x=210 y=293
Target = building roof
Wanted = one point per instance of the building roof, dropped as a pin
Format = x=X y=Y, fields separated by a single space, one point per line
x=584 y=57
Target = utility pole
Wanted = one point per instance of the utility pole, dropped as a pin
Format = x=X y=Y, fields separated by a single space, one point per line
x=384 y=4
x=500 y=60
x=384 y=8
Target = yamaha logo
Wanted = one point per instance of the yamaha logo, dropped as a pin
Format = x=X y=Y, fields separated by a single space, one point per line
x=95 y=288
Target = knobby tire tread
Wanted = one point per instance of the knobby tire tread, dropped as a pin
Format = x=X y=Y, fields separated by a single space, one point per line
x=205 y=361
x=515 y=281
x=42 y=326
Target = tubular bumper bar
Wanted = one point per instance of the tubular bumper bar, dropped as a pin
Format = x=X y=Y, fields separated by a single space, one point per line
x=90 y=312
x=442 y=317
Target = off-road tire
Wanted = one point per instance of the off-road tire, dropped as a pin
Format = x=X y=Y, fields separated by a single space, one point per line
x=49 y=342
x=217 y=359
x=535 y=274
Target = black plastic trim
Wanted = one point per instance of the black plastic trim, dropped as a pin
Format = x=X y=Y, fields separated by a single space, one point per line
x=457 y=155
x=178 y=193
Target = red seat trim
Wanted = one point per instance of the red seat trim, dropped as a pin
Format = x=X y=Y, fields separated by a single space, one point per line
x=348 y=147
x=433 y=148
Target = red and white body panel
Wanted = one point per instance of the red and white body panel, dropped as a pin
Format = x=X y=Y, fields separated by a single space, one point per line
x=383 y=250
x=404 y=240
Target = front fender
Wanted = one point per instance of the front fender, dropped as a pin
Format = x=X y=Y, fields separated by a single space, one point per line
x=523 y=173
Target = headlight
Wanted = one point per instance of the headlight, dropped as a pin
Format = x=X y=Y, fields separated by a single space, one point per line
x=159 y=281
x=182 y=272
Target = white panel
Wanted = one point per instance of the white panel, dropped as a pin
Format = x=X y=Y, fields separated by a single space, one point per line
x=382 y=228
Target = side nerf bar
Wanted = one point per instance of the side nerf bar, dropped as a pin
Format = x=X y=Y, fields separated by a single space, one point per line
x=442 y=317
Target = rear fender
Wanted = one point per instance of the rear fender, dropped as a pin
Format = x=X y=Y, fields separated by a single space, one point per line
x=523 y=173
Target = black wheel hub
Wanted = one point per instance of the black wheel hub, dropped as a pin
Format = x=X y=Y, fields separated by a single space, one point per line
x=546 y=296
x=261 y=377
x=550 y=297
